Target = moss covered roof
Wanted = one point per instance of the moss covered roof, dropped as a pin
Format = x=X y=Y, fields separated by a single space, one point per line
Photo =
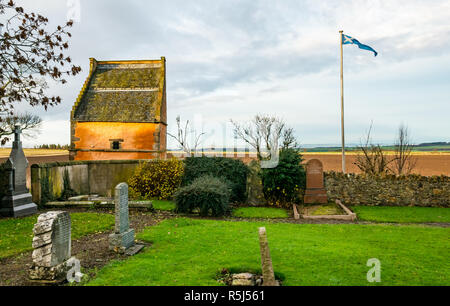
x=122 y=91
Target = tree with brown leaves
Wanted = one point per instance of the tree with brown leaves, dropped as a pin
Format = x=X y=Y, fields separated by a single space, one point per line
x=29 y=56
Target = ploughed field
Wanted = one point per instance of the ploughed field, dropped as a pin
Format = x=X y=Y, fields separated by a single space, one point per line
x=427 y=163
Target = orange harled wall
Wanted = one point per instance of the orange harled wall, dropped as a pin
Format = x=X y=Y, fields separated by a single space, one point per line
x=95 y=136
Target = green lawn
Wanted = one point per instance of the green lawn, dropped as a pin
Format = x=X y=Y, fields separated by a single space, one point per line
x=16 y=235
x=402 y=214
x=192 y=251
x=163 y=205
x=260 y=212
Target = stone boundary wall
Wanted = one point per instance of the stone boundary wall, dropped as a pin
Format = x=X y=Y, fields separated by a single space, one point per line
x=389 y=190
x=84 y=177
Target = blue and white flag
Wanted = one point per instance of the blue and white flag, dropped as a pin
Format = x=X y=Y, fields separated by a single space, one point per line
x=350 y=40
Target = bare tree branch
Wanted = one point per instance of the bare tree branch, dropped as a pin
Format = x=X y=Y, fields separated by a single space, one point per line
x=404 y=162
x=182 y=137
x=262 y=132
x=372 y=159
x=29 y=124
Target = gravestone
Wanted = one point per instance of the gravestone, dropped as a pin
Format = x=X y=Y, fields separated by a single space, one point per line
x=315 y=191
x=17 y=202
x=122 y=240
x=52 y=247
x=255 y=194
x=266 y=261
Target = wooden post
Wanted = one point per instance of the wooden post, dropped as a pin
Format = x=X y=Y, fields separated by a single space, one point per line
x=342 y=102
x=296 y=214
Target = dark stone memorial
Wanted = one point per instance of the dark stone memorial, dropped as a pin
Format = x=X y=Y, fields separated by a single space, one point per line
x=17 y=202
x=315 y=191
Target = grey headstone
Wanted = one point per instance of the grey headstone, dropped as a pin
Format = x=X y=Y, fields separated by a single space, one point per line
x=123 y=237
x=52 y=246
x=52 y=241
x=17 y=202
x=121 y=206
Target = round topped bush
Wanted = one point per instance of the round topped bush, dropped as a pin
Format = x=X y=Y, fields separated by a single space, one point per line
x=207 y=194
x=233 y=171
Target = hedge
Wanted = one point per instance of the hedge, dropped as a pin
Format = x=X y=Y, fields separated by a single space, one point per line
x=233 y=171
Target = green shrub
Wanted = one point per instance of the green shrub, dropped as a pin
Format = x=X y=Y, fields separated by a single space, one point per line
x=156 y=179
x=46 y=194
x=232 y=170
x=283 y=185
x=67 y=192
x=208 y=194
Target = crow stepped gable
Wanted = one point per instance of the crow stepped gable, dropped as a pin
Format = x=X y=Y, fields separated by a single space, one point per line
x=120 y=112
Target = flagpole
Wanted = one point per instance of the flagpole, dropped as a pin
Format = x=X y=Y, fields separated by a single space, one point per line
x=342 y=103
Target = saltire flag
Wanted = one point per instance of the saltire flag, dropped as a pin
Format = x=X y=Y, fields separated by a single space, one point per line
x=350 y=40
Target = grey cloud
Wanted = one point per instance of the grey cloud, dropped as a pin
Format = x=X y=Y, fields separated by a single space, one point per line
x=218 y=45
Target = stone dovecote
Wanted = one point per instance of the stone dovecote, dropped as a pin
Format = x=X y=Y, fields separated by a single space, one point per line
x=120 y=112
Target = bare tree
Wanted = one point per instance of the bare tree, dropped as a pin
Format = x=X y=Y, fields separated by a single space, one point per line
x=372 y=159
x=29 y=124
x=289 y=139
x=189 y=147
x=29 y=54
x=262 y=132
x=403 y=162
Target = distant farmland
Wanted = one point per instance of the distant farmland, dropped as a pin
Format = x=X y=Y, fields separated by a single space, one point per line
x=428 y=162
x=445 y=147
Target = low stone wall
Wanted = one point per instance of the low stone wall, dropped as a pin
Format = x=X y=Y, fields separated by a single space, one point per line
x=409 y=190
x=83 y=177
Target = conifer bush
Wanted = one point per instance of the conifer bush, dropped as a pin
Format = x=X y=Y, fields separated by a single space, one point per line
x=233 y=171
x=284 y=184
x=209 y=194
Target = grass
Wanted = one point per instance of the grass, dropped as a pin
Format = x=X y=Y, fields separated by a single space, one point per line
x=402 y=214
x=16 y=235
x=191 y=252
x=325 y=209
x=260 y=212
x=163 y=205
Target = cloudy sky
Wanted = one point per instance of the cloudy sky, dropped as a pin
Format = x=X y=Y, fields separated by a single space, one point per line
x=236 y=58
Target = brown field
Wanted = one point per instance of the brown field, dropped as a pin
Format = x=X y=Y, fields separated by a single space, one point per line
x=427 y=163
x=4 y=152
